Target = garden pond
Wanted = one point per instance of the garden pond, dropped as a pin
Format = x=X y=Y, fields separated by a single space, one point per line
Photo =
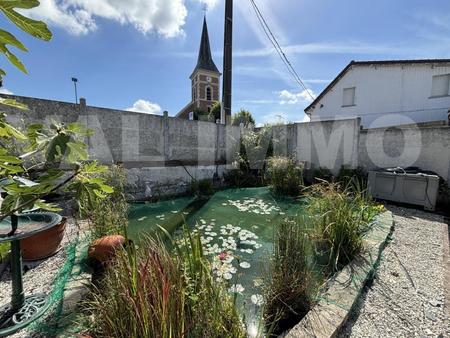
x=237 y=232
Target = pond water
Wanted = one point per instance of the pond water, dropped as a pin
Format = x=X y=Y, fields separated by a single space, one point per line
x=236 y=228
x=144 y=217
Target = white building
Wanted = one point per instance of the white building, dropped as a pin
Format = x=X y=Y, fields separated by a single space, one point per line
x=387 y=93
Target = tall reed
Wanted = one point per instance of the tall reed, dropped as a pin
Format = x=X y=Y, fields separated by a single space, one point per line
x=291 y=283
x=340 y=217
x=151 y=292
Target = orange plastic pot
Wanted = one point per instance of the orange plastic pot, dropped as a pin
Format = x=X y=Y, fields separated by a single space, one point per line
x=43 y=244
x=104 y=249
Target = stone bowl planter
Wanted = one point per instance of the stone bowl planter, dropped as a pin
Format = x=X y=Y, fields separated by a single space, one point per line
x=44 y=244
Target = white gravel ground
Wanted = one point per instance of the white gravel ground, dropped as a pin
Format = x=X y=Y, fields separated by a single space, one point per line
x=39 y=275
x=408 y=297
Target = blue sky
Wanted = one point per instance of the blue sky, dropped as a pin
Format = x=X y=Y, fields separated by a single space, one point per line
x=140 y=53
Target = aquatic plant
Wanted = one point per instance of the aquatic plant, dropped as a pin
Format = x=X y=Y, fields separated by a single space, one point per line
x=151 y=292
x=291 y=283
x=340 y=217
x=201 y=187
x=224 y=245
x=321 y=174
x=352 y=178
x=285 y=177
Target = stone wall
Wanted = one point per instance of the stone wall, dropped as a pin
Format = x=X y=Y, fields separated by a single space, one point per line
x=152 y=148
x=332 y=144
x=162 y=153
x=427 y=147
x=329 y=144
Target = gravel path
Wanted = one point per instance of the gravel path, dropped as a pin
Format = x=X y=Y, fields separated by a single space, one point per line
x=39 y=275
x=407 y=298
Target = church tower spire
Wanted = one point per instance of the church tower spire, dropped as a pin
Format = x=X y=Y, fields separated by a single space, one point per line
x=205 y=81
x=205 y=61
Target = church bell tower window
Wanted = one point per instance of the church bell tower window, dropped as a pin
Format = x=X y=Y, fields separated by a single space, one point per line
x=208 y=93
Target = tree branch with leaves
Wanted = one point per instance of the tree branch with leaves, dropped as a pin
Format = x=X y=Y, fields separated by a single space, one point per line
x=55 y=157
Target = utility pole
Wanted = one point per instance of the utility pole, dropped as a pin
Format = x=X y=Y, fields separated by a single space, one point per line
x=75 y=80
x=225 y=115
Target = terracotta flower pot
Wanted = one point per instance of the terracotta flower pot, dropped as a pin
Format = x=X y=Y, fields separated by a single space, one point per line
x=44 y=244
x=104 y=249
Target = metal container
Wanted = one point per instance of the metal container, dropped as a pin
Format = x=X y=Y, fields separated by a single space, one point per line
x=402 y=186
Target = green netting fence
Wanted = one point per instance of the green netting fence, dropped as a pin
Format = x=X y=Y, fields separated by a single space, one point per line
x=55 y=322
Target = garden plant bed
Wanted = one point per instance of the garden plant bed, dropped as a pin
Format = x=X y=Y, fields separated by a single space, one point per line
x=336 y=303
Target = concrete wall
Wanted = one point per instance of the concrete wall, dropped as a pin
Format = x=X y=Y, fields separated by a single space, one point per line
x=146 y=144
x=161 y=153
x=424 y=147
x=332 y=144
x=387 y=95
x=329 y=144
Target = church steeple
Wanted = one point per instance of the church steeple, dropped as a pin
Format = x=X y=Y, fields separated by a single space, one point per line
x=205 y=80
x=205 y=61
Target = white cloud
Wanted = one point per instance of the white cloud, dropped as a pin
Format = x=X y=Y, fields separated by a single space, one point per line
x=320 y=81
x=288 y=97
x=146 y=107
x=78 y=16
x=5 y=91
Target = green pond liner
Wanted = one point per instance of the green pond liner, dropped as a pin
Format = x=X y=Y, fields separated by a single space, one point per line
x=146 y=218
x=248 y=216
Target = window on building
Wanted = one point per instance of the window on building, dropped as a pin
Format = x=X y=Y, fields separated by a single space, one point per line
x=440 y=85
x=208 y=93
x=348 y=97
x=194 y=97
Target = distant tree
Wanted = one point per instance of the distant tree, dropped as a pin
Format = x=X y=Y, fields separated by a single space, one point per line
x=200 y=115
x=214 y=115
x=243 y=116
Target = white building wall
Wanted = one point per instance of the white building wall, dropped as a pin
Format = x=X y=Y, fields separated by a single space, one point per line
x=386 y=95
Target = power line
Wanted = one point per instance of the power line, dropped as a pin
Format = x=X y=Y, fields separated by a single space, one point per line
x=278 y=48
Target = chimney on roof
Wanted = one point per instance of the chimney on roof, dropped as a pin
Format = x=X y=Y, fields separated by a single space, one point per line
x=82 y=102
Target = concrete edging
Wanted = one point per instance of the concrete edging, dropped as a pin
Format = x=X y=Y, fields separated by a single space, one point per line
x=336 y=303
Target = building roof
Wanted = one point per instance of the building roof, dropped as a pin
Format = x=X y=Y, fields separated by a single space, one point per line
x=205 y=61
x=370 y=63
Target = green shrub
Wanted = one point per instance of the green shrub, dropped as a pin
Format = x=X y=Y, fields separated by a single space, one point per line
x=322 y=174
x=243 y=179
x=291 y=285
x=4 y=249
x=150 y=292
x=285 y=177
x=242 y=116
x=201 y=187
x=341 y=217
x=354 y=178
x=109 y=215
